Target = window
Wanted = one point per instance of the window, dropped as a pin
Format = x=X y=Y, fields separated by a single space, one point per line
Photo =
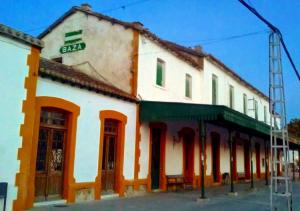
x=214 y=90
x=188 y=85
x=160 y=73
x=265 y=114
x=245 y=103
x=231 y=96
x=256 y=109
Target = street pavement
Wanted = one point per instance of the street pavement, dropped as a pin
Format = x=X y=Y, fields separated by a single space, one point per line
x=218 y=200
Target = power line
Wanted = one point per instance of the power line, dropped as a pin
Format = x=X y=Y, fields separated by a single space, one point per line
x=104 y=11
x=234 y=37
x=125 y=6
x=274 y=29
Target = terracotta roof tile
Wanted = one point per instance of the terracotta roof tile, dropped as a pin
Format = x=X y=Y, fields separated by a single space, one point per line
x=67 y=74
x=20 y=36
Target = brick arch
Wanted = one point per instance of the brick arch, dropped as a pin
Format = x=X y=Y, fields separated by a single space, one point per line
x=122 y=119
x=73 y=113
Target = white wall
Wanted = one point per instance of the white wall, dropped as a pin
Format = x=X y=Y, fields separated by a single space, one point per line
x=175 y=70
x=108 y=52
x=13 y=71
x=224 y=81
x=88 y=126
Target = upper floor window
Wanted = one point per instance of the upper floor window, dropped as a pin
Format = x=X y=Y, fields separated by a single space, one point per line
x=231 y=96
x=245 y=103
x=265 y=114
x=214 y=90
x=160 y=73
x=188 y=85
x=256 y=109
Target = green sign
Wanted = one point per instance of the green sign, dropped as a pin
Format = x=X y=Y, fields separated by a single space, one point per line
x=72 y=48
x=73 y=42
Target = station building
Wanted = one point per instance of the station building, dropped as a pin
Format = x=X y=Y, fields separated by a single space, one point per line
x=114 y=110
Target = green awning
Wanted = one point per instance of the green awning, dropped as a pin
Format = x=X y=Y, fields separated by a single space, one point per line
x=151 y=111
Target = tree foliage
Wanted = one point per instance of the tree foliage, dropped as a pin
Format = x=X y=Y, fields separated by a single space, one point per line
x=294 y=128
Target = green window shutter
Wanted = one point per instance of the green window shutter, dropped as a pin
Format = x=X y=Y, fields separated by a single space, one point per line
x=231 y=96
x=188 y=81
x=159 y=74
x=245 y=104
x=214 y=91
x=256 y=109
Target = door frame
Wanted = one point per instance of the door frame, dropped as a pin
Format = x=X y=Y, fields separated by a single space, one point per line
x=185 y=131
x=162 y=173
x=122 y=120
x=218 y=156
x=73 y=112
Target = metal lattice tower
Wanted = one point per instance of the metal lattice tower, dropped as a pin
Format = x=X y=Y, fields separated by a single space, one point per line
x=281 y=187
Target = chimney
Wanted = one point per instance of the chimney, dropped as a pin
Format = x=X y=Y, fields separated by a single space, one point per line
x=198 y=48
x=86 y=7
x=138 y=25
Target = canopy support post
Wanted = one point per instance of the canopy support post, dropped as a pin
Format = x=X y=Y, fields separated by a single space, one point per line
x=202 y=156
x=251 y=162
x=266 y=163
x=230 y=141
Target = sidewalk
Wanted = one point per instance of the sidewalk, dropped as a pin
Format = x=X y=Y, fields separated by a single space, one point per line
x=187 y=200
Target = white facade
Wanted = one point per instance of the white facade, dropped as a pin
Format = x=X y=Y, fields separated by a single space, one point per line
x=175 y=71
x=13 y=71
x=108 y=53
x=88 y=127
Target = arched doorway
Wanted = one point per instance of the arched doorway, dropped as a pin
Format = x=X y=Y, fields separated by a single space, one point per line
x=54 y=133
x=109 y=156
x=51 y=151
x=188 y=136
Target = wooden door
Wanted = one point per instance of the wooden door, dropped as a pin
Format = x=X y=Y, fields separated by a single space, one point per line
x=50 y=158
x=108 y=177
x=155 y=157
x=188 y=147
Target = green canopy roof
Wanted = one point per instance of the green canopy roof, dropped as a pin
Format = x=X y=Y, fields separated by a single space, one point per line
x=152 y=111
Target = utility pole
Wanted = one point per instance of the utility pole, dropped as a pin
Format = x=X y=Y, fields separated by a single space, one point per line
x=281 y=185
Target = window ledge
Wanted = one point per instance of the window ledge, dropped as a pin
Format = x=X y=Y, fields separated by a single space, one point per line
x=160 y=87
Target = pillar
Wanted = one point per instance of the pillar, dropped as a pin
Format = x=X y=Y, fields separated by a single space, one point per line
x=266 y=163
x=202 y=156
x=251 y=163
x=230 y=140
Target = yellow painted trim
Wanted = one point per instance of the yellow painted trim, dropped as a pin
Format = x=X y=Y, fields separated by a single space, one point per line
x=110 y=114
x=26 y=130
x=74 y=111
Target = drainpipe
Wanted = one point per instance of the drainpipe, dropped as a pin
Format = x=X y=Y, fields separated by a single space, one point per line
x=202 y=156
x=266 y=163
x=251 y=162
x=231 y=161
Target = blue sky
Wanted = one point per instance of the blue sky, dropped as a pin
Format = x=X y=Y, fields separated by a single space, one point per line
x=191 y=22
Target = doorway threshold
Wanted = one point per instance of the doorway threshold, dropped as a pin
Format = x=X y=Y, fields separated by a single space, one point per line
x=109 y=196
x=61 y=202
x=157 y=190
